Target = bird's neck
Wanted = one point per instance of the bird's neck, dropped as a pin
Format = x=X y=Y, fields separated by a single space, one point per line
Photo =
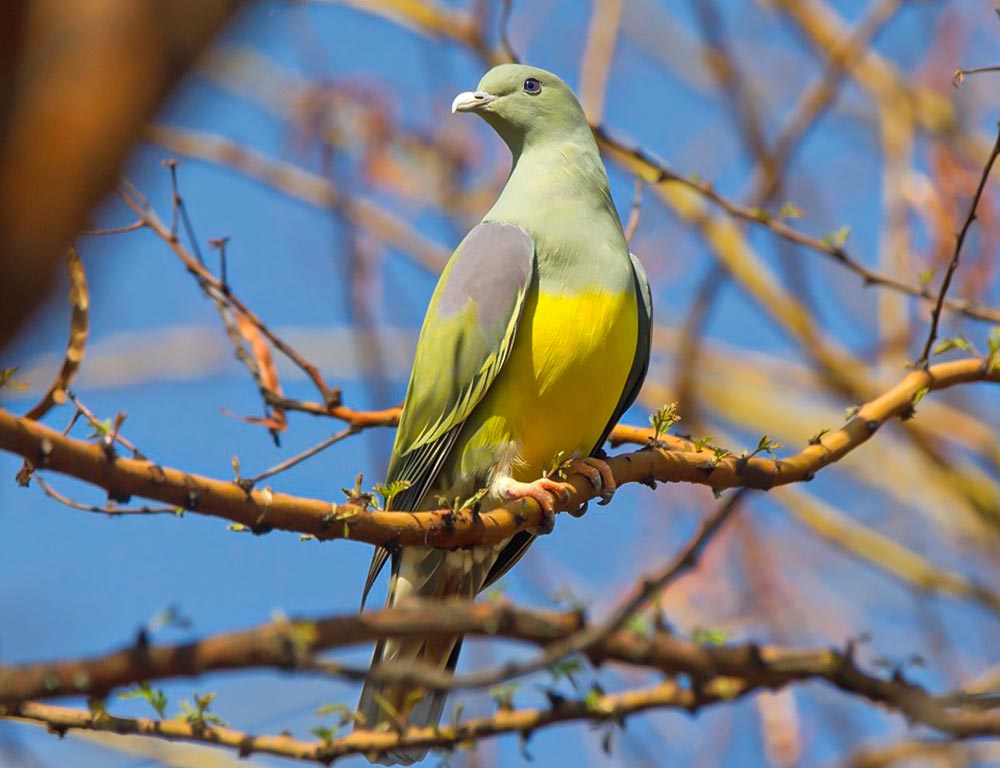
x=563 y=171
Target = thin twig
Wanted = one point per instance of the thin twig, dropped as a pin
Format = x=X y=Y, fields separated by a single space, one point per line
x=634 y=212
x=922 y=361
x=818 y=96
x=135 y=225
x=656 y=172
x=959 y=77
x=179 y=211
x=96 y=423
x=506 y=9
x=110 y=509
x=137 y=202
x=250 y=482
x=76 y=344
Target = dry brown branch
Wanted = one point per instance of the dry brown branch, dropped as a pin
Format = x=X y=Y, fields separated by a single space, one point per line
x=108 y=64
x=602 y=37
x=263 y=510
x=322 y=445
x=79 y=328
x=313 y=189
x=134 y=200
x=937 y=116
x=654 y=172
x=110 y=438
x=110 y=508
x=603 y=708
x=818 y=96
x=717 y=674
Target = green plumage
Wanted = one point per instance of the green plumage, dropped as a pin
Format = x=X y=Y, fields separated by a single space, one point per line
x=534 y=344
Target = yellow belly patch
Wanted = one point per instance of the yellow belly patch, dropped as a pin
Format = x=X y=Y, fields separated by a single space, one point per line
x=559 y=388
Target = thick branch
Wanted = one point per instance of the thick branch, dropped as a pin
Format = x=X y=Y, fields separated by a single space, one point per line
x=109 y=65
x=716 y=673
x=263 y=510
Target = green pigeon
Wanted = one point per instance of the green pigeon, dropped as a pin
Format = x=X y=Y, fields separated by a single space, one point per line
x=535 y=343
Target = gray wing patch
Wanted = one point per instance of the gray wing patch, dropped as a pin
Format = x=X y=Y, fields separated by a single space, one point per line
x=493 y=267
x=494 y=263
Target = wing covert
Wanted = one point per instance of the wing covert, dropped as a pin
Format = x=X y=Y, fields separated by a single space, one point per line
x=466 y=338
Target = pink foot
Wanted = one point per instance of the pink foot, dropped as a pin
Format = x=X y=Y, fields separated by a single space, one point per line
x=545 y=491
x=597 y=472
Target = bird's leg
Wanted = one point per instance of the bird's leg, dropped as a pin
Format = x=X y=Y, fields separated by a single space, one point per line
x=544 y=490
x=597 y=472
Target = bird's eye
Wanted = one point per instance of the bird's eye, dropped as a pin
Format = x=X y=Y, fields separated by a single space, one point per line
x=532 y=86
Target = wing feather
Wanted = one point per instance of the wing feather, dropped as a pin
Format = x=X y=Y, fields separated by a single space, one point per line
x=465 y=340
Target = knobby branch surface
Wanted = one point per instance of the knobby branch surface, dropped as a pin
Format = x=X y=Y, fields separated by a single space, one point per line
x=263 y=510
x=715 y=674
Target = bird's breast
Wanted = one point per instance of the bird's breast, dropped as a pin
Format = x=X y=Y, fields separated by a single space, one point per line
x=565 y=375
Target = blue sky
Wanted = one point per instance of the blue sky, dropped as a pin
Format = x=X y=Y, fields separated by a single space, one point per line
x=73 y=583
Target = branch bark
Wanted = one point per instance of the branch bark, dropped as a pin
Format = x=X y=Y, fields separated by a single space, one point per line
x=716 y=674
x=264 y=510
x=107 y=65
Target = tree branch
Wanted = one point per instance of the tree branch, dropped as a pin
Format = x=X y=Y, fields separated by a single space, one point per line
x=715 y=674
x=263 y=510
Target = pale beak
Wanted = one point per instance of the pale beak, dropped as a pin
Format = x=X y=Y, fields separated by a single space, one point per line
x=470 y=101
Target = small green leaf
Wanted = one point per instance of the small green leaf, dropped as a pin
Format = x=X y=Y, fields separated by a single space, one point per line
x=592 y=700
x=155 y=696
x=637 y=623
x=662 y=419
x=919 y=395
x=993 y=345
x=198 y=713
x=566 y=668
x=100 y=429
x=713 y=636
x=7 y=380
x=323 y=733
x=838 y=238
x=818 y=437
x=473 y=501
x=959 y=342
x=503 y=695
x=388 y=491
x=789 y=210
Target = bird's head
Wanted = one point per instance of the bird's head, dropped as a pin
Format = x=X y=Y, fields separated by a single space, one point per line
x=523 y=104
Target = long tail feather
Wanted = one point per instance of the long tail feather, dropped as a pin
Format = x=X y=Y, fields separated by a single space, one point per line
x=429 y=574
